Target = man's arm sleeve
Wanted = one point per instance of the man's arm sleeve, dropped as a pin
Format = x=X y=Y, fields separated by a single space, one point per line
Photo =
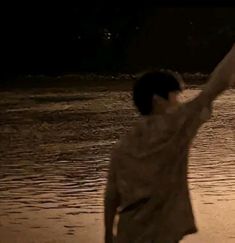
x=218 y=82
x=197 y=111
x=111 y=203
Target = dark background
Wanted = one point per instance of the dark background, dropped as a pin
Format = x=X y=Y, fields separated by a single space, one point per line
x=96 y=36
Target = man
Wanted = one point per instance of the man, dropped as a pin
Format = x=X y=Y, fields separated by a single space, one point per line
x=147 y=180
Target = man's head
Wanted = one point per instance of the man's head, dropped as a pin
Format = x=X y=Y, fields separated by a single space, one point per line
x=156 y=91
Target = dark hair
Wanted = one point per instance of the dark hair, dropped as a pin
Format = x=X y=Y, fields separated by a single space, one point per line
x=153 y=83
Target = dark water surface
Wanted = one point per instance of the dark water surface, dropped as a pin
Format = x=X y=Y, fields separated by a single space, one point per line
x=54 y=152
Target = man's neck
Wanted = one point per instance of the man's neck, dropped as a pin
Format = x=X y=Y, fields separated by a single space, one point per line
x=161 y=110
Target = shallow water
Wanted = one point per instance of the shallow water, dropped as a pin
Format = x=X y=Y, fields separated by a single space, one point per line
x=55 y=145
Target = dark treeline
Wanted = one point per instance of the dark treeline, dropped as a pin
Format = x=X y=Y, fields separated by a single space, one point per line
x=115 y=37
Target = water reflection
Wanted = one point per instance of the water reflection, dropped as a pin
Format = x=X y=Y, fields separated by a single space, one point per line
x=54 y=154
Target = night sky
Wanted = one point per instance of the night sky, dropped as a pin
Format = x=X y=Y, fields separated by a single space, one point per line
x=95 y=36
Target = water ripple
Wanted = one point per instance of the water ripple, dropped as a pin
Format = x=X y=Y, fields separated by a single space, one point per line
x=55 y=151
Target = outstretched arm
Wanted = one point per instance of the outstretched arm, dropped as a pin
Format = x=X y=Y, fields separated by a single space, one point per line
x=197 y=111
x=111 y=203
x=219 y=80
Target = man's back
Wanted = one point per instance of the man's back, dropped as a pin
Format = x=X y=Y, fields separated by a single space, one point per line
x=151 y=176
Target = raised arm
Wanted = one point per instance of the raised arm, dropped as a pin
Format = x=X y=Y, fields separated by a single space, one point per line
x=111 y=203
x=197 y=111
x=219 y=80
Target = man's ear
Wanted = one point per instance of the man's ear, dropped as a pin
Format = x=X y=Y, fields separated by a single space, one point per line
x=158 y=99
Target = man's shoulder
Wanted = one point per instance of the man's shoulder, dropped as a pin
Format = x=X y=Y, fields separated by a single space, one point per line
x=128 y=141
x=139 y=138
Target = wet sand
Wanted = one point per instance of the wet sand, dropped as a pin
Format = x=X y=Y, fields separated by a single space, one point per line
x=55 y=146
